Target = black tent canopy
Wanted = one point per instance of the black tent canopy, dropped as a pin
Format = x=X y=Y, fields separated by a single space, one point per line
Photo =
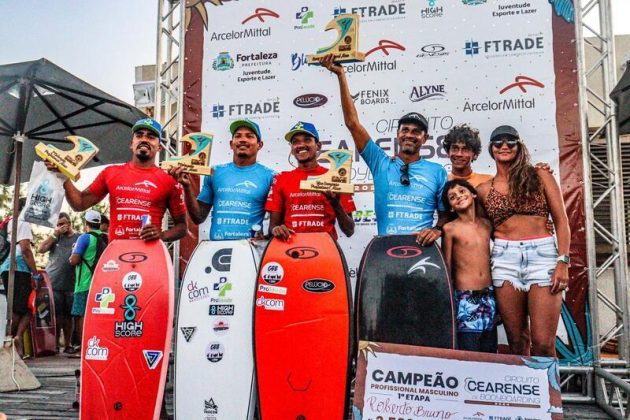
x=45 y=103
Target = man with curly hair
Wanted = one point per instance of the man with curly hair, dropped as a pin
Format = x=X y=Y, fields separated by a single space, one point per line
x=463 y=146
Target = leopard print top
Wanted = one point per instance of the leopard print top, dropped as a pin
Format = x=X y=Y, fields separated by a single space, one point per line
x=500 y=208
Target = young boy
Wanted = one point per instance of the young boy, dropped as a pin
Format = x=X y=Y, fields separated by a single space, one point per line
x=466 y=248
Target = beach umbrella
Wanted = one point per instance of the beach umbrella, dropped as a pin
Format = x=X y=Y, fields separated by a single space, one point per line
x=41 y=102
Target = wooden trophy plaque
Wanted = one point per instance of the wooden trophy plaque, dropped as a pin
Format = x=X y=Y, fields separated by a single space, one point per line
x=69 y=162
x=346 y=47
x=337 y=179
x=197 y=160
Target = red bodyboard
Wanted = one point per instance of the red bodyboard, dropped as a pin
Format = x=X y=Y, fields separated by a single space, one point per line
x=127 y=332
x=302 y=330
x=43 y=322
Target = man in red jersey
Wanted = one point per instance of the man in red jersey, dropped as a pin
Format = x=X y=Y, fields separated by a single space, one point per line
x=137 y=188
x=293 y=210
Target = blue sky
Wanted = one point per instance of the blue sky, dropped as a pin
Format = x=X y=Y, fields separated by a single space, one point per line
x=102 y=41
x=99 y=41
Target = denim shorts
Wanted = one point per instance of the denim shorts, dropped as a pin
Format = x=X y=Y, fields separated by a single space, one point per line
x=524 y=262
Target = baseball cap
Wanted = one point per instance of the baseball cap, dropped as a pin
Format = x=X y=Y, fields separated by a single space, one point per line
x=246 y=123
x=414 y=118
x=149 y=124
x=92 y=216
x=504 y=130
x=302 y=127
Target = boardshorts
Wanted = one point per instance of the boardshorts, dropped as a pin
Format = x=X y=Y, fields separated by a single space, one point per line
x=476 y=319
x=21 y=291
x=79 y=303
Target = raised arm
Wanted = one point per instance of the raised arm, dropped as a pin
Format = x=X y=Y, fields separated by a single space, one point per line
x=350 y=115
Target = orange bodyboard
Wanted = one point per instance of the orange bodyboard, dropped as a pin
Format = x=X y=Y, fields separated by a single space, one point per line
x=302 y=322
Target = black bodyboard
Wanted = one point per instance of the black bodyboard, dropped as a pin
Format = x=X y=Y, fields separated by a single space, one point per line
x=404 y=294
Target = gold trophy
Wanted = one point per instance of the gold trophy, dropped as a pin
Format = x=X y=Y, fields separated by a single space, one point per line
x=346 y=47
x=337 y=179
x=196 y=161
x=69 y=162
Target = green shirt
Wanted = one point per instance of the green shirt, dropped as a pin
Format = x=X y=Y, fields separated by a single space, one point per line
x=86 y=247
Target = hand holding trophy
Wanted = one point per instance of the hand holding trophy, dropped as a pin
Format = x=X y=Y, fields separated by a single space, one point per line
x=197 y=160
x=346 y=47
x=337 y=179
x=69 y=162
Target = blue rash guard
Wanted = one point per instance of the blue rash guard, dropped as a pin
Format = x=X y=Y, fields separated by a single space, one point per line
x=237 y=196
x=404 y=209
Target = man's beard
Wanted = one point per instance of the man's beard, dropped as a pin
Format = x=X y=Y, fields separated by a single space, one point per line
x=143 y=156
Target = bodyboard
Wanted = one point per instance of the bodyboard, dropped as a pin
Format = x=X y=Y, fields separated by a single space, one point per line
x=127 y=332
x=302 y=329
x=43 y=322
x=214 y=363
x=404 y=294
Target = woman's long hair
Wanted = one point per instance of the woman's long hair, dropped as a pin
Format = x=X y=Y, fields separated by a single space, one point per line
x=523 y=181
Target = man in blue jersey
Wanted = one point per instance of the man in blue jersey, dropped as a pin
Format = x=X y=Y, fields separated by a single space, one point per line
x=407 y=189
x=236 y=192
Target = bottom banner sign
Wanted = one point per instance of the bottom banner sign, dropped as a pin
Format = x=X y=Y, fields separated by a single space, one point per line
x=398 y=382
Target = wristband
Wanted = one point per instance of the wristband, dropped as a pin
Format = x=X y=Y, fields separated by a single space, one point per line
x=437 y=227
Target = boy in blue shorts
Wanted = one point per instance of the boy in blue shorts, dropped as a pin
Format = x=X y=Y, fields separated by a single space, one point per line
x=466 y=247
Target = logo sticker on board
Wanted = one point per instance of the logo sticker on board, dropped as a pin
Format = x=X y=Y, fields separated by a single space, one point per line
x=276 y=290
x=196 y=293
x=404 y=251
x=215 y=351
x=422 y=266
x=129 y=327
x=188 y=332
x=221 y=327
x=209 y=407
x=272 y=272
x=104 y=298
x=94 y=351
x=110 y=265
x=222 y=259
x=152 y=358
x=318 y=285
x=270 y=304
x=132 y=281
x=221 y=310
x=133 y=257
x=302 y=252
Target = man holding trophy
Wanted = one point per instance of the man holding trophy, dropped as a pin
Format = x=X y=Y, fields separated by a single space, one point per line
x=236 y=191
x=294 y=209
x=407 y=188
x=137 y=189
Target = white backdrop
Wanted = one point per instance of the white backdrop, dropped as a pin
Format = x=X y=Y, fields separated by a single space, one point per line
x=471 y=55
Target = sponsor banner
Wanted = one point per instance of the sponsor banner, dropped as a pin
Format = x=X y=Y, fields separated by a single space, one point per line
x=505 y=62
x=398 y=381
x=405 y=70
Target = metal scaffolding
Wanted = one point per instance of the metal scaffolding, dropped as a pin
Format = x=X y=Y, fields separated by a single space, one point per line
x=169 y=96
x=607 y=380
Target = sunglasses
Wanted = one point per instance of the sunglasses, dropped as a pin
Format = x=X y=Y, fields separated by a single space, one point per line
x=404 y=174
x=498 y=143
